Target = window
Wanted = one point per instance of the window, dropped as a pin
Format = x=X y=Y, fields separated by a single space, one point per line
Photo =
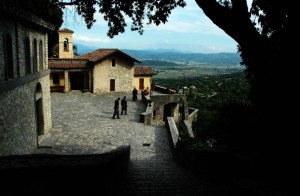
x=27 y=55
x=41 y=56
x=35 y=66
x=55 y=78
x=113 y=62
x=8 y=54
x=66 y=44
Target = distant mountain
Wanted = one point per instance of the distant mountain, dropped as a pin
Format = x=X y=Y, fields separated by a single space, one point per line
x=83 y=49
x=173 y=55
x=155 y=63
x=178 y=56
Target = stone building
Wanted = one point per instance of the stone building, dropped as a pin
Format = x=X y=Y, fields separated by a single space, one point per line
x=25 y=108
x=101 y=71
x=113 y=70
x=143 y=77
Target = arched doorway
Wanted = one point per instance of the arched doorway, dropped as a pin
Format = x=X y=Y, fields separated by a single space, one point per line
x=38 y=97
x=170 y=111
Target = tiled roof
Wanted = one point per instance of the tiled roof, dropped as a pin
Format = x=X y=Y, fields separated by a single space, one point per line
x=65 y=30
x=67 y=63
x=100 y=54
x=143 y=71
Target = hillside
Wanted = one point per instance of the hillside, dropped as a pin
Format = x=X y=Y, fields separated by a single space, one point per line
x=213 y=58
x=227 y=59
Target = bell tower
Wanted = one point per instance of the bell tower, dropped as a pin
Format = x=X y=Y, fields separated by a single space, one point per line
x=65 y=43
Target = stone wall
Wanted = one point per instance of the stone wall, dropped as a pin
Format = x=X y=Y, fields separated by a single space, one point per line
x=161 y=100
x=18 y=33
x=122 y=73
x=147 y=82
x=147 y=116
x=18 y=124
x=91 y=174
x=173 y=133
x=27 y=82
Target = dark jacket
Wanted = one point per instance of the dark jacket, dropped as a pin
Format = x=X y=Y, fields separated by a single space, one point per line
x=124 y=103
x=116 y=104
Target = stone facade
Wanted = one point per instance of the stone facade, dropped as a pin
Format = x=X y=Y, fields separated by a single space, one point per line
x=146 y=82
x=65 y=43
x=24 y=81
x=167 y=105
x=100 y=71
x=122 y=74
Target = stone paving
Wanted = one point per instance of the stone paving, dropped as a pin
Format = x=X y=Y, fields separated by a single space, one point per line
x=83 y=124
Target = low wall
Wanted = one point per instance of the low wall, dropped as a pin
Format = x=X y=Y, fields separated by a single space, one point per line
x=147 y=116
x=164 y=90
x=193 y=115
x=215 y=163
x=93 y=174
x=120 y=155
x=172 y=133
x=189 y=128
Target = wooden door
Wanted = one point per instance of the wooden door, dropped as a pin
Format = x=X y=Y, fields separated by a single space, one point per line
x=112 y=85
x=141 y=84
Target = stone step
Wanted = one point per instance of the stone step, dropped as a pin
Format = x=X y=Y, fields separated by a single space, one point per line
x=47 y=141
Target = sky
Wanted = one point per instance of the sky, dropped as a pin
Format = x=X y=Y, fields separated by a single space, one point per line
x=187 y=29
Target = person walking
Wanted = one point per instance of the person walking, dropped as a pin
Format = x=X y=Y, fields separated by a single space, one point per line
x=124 y=106
x=116 y=108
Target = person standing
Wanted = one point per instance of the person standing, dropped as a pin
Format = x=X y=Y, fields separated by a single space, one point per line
x=124 y=106
x=134 y=94
x=116 y=108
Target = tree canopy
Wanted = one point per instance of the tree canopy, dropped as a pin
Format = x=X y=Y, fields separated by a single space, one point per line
x=114 y=12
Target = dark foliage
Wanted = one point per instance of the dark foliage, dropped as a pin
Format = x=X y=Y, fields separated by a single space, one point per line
x=114 y=12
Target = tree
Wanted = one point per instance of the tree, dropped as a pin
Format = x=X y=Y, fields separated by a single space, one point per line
x=114 y=12
x=75 y=50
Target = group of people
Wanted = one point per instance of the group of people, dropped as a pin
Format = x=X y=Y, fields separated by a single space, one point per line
x=124 y=102
x=123 y=106
x=143 y=93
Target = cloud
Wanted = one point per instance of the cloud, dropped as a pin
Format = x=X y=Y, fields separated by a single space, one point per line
x=87 y=39
x=189 y=19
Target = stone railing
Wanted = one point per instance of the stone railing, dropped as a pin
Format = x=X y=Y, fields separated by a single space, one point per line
x=164 y=90
x=172 y=132
x=188 y=126
x=193 y=115
x=147 y=116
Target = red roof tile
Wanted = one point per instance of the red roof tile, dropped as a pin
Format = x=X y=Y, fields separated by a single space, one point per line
x=143 y=71
x=67 y=63
x=65 y=30
x=100 y=54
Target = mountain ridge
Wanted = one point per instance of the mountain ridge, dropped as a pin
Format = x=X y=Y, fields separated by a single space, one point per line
x=174 y=55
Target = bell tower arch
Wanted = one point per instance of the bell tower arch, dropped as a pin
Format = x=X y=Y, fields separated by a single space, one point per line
x=65 y=43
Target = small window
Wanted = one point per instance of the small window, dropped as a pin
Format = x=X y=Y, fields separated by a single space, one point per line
x=35 y=55
x=113 y=62
x=41 y=56
x=27 y=56
x=55 y=78
x=8 y=52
